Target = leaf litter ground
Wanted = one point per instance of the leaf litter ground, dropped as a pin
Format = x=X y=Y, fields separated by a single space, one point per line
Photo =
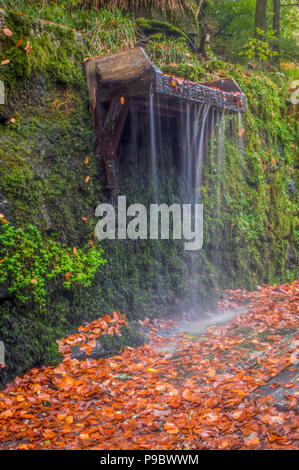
x=208 y=389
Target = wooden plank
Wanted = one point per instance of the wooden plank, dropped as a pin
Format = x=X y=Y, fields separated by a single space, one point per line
x=108 y=135
x=113 y=144
x=131 y=73
x=224 y=84
x=196 y=92
x=123 y=67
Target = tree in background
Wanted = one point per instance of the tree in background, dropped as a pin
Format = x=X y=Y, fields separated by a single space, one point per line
x=196 y=10
x=276 y=29
x=260 y=23
x=216 y=28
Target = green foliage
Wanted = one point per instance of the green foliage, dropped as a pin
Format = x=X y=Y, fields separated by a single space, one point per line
x=52 y=52
x=151 y=27
x=232 y=26
x=111 y=31
x=28 y=263
x=163 y=51
x=259 y=49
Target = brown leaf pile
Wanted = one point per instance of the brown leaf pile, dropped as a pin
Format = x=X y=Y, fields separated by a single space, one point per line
x=194 y=398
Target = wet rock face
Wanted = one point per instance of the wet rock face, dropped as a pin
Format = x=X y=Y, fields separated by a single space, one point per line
x=4 y=206
x=4 y=294
x=108 y=345
x=97 y=353
x=278 y=388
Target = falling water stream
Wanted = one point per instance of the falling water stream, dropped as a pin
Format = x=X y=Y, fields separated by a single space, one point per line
x=196 y=124
x=168 y=145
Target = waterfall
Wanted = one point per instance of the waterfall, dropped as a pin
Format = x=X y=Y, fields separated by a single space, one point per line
x=203 y=134
x=167 y=150
x=195 y=120
x=153 y=146
x=219 y=157
x=220 y=153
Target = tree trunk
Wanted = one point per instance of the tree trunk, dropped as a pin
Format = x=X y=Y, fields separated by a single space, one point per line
x=276 y=29
x=204 y=36
x=260 y=16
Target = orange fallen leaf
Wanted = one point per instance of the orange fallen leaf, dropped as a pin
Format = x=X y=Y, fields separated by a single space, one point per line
x=253 y=441
x=171 y=428
x=160 y=388
x=5 y=62
x=86 y=179
x=239 y=415
x=36 y=387
x=20 y=398
x=28 y=49
x=223 y=445
x=6 y=414
x=187 y=394
x=44 y=397
x=69 y=420
x=66 y=382
x=61 y=416
x=7 y=32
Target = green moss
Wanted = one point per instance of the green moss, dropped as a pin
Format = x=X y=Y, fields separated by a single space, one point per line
x=51 y=50
x=152 y=27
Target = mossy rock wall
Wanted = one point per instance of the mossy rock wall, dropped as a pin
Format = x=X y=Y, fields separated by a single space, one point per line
x=46 y=134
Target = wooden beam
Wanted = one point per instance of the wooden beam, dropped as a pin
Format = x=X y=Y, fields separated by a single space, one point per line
x=123 y=67
x=131 y=73
x=113 y=144
x=108 y=135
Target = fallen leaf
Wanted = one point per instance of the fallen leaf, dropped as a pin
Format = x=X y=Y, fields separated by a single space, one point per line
x=171 y=428
x=253 y=441
x=7 y=32
x=28 y=49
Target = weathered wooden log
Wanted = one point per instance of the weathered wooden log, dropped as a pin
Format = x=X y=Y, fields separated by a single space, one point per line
x=124 y=67
x=131 y=73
